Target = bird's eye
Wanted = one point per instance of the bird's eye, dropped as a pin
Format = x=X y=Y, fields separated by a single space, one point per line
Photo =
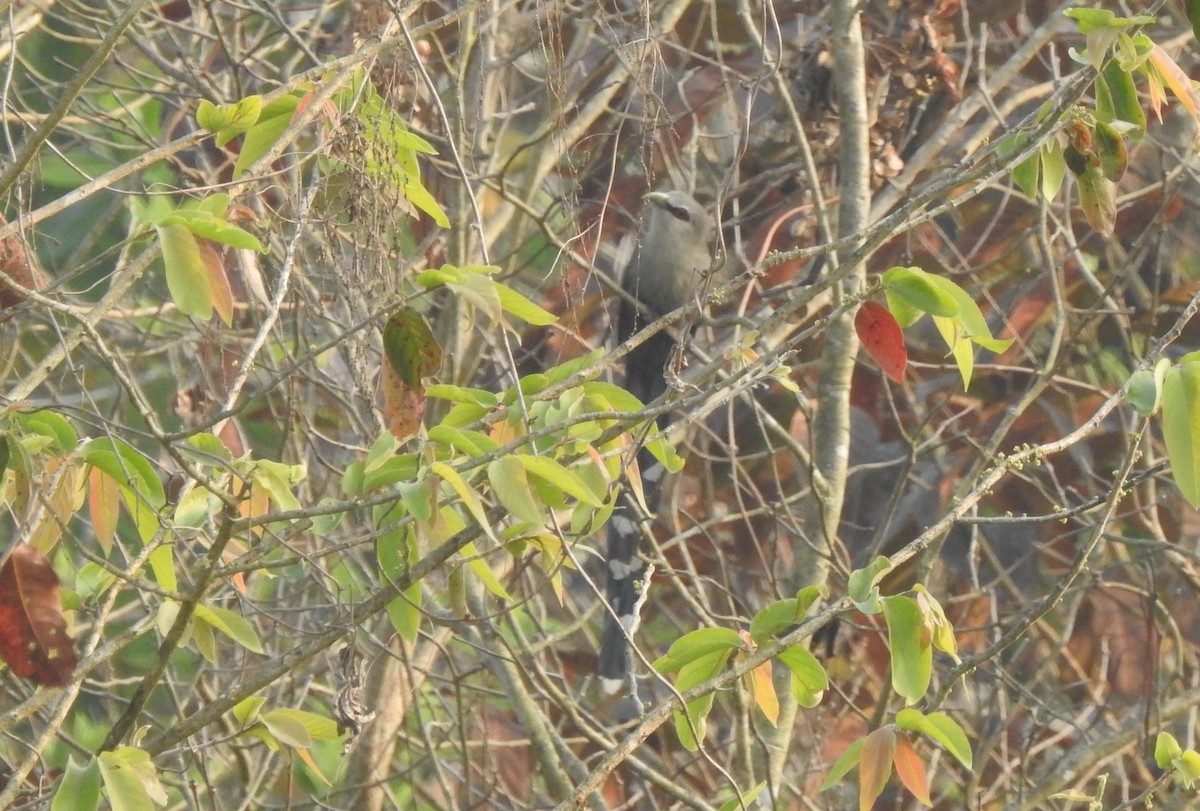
x=680 y=213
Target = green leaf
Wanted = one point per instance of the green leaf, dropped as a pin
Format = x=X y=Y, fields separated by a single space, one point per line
x=511 y=485
x=1181 y=428
x=470 y=498
x=54 y=427
x=141 y=489
x=862 y=585
x=745 y=800
x=210 y=117
x=846 y=761
x=941 y=729
x=418 y=499
x=187 y=273
x=404 y=612
x=777 y=616
x=970 y=317
x=468 y=443
x=80 y=787
x=480 y=292
x=162 y=563
x=1098 y=198
x=92 y=581
x=912 y=653
x=917 y=288
x=1166 y=749
x=484 y=572
x=1146 y=386
x=286 y=729
x=516 y=304
x=130 y=780
x=1092 y=20
x=463 y=394
x=234 y=626
x=401 y=468
x=1126 y=106
x=1111 y=148
x=553 y=472
x=691 y=727
x=272 y=123
x=246 y=710
x=195 y=507
x=213 y=228
x=1054 y=168
x=1188 y=765
x=809 y=681
x=934 y=618
x=319 y=727
x=1026 y=175
x=696 y=645
x=410 y=347
x=420 y=197
x=229 y=120
x=1192 y=9
x=278 y=480
x=297 y=728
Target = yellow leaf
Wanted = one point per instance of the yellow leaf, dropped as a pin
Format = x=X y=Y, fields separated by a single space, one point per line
x=762 y=691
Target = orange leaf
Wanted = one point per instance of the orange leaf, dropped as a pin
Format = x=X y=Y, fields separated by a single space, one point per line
x=1174 y=78
x=255 y=503
x=33 y=633
x=218 y=280
x=875 y=765
x=307 y=757
x=762 y=691
x=104 y=505
x=911 y=770
x=882 y=337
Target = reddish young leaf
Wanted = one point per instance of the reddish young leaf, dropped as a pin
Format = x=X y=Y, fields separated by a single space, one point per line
x=882 y=337
x=403 y=405
x=875 y=765
x=33 y=633
x=911 y=770
x=218 y=279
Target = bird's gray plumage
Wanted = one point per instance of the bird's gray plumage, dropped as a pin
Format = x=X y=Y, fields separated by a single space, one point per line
x=664 y=275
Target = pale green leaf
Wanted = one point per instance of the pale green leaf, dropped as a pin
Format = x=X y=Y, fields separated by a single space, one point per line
x=234 y=626
x=1181 y=428
x=696 y=645
x=912 y=653
x=80 y=787
x=511 y=485
x=561 y=477
x=468 y=495
x=187 y=274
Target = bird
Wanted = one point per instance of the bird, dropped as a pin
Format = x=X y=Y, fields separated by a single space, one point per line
x=663 y=275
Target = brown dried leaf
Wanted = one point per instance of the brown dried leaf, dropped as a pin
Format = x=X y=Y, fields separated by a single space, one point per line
x=33 y=633
x=403 y=405
x=14 y=265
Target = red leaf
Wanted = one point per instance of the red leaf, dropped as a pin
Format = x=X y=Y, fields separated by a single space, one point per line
x=403 y=405
x=33 y=633
x=911 y=770
x=882 y=337
x=875 y=765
